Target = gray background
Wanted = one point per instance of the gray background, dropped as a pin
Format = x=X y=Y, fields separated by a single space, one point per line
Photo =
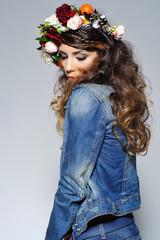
x=30 y=145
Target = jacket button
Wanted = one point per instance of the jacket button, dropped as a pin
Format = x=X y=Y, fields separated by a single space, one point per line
x=76 y=224
x=78 y=229
x=118 y=207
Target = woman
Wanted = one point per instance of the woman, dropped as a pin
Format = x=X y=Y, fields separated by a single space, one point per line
x=102 y=111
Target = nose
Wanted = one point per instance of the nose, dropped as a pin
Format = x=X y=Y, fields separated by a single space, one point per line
x=69 y=66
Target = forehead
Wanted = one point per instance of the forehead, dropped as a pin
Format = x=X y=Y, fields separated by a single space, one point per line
x=68 y=49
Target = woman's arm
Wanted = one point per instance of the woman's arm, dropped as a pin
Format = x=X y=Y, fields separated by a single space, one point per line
x=84 y=130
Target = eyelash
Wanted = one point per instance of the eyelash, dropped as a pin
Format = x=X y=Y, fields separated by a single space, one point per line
x=63 y=57
x=79 y=58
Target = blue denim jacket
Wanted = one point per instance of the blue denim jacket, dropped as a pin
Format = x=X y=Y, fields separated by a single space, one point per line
x=96 y=176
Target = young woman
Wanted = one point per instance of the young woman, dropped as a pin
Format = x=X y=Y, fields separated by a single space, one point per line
x=102 y=111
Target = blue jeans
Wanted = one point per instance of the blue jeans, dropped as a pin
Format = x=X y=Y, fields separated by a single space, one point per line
x=119 y=229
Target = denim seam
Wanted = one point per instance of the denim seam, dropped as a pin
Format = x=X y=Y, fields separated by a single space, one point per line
x=117 y=201
x=124 y=178
x=105 y=212
x=96 y=142
x=72 y=217
x=97 y=137
x=114 y=202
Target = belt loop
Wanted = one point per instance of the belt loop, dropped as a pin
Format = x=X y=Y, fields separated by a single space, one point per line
x=101 y=228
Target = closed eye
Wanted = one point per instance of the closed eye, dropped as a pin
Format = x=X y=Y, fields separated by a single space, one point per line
x=81 y=58
x=63 y=57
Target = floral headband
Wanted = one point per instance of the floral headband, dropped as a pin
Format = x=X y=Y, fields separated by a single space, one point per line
x=69 y=17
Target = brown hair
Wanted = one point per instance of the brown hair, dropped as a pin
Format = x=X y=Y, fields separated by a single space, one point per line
x=116 y=67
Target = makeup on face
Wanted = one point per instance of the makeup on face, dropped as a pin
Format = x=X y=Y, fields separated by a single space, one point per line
x=76 y=61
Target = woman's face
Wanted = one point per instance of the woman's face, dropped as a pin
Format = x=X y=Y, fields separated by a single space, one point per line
x=76 y=62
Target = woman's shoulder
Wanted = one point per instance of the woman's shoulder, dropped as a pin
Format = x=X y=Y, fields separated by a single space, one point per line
x=82 y=97
x=88 y=98
x=100 y=91
x=83 y=103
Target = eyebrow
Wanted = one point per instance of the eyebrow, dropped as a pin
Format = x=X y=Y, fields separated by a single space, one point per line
x=74 y=53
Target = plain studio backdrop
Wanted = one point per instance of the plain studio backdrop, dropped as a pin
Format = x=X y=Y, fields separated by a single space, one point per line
x=30 y=146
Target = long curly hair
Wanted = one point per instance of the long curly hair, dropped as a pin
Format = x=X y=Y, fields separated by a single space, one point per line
x=116 y=66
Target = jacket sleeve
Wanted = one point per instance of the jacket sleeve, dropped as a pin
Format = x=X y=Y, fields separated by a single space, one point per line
x=84 y=129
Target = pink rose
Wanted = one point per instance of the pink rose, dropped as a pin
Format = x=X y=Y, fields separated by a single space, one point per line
x=119 y=31
x=75 y=22
x=50 y=47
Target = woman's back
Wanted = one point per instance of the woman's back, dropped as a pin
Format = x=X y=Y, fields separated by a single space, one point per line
x=105 y=176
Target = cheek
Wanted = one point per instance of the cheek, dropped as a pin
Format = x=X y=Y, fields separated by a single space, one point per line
x=88 y=63
x=85 y=67
x=64 y=65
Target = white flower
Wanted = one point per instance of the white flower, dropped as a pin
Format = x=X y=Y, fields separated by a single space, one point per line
x=119 y=31
x=64 y=29
x=96 y=24
x=50 y=47
x=75 y=22
x=82 y=17
x=103 y=16
x=46 y=57
x=53 y=20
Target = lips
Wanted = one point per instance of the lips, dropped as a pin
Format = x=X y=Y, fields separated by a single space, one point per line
x=70 y=78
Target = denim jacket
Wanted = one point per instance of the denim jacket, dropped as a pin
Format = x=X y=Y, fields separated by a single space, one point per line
x=96 y=176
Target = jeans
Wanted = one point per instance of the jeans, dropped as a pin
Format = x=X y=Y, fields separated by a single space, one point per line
x=113 y=230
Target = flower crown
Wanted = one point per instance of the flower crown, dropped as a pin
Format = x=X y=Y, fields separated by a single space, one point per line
x=69 y=17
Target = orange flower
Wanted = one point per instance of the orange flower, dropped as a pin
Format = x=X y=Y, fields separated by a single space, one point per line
x=86 y=8
x=59 y=64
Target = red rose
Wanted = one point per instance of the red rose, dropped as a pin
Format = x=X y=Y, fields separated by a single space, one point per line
x=64 y=13
x=54 y=35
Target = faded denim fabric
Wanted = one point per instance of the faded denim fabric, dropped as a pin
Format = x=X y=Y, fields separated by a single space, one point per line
x=96 y=176
x=130 y=232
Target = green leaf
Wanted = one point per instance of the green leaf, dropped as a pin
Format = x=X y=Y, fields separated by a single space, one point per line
x=77 y=10
x=48 y=26
x=58 y=54
x=112 y=29
x=55 y=58
x=42 y=39
x=40 y=48
x=43 y=33
x=59 y=30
